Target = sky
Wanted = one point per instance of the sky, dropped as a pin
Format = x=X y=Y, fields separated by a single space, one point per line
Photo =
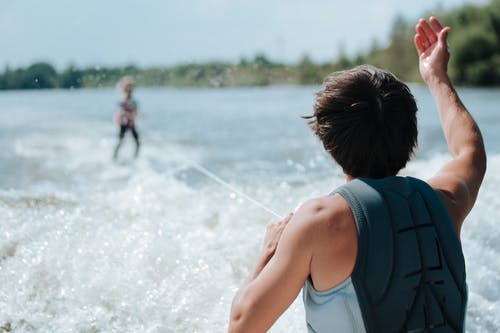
x=169 y=32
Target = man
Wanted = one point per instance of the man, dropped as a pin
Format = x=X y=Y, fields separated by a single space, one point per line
x=127 y=115
x=381 y=253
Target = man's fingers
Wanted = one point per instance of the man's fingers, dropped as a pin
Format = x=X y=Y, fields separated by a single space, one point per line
x=429 y=33
x=419 y=44
x=443 y=36
x=423 y=37
x=286 y=219
x=281 y=222
x=436 y=25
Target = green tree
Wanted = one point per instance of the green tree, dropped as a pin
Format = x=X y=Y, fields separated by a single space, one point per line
x=71 y=78
x=261 y=62
x=400 y=56
x=11 y=78
x=473 y=45
x=3 y=83
x=40 y=75
x=308 y=72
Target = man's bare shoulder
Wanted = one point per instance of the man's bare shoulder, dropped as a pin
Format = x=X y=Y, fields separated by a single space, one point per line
x=326 y=212
x=331 y=238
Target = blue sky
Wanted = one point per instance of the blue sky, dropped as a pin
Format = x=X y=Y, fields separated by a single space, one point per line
x=154 y=32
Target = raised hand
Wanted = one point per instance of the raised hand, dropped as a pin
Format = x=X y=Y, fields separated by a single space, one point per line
x=432 y=47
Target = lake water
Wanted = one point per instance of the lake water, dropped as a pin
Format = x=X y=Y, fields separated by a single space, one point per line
x=153 y=245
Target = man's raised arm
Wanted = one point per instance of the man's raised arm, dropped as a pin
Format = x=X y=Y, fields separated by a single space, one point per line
x=459 y=180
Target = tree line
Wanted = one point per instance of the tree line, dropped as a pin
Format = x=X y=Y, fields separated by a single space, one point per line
x=474 y=45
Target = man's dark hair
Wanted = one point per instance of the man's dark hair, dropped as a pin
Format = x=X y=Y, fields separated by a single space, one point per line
x=366 y=119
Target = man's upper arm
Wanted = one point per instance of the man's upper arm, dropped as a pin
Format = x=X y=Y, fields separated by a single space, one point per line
x=458 y=184
x=279 y=283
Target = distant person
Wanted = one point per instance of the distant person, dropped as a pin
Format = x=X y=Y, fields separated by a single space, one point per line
x=382 y=253
x=127 y=115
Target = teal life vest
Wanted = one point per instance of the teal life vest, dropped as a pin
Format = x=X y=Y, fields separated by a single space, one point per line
x=409 y=274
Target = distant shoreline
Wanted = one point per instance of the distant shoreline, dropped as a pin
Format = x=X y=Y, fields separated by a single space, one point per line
x=277 y=85
x=474 y=47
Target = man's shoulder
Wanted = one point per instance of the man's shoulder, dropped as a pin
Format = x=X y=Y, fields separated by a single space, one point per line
x=325 y=212
x=326 y=224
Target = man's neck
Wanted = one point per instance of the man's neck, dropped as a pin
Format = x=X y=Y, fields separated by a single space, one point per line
x=348 y=178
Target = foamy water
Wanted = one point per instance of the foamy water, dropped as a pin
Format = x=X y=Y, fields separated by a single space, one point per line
x=152 y=245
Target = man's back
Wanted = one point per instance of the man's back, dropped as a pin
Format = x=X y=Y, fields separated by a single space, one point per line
x=409 y=273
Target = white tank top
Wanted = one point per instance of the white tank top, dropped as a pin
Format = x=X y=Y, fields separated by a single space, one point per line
x=334 y=310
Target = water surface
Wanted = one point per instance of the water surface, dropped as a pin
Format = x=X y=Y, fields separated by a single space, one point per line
x=153 y=245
